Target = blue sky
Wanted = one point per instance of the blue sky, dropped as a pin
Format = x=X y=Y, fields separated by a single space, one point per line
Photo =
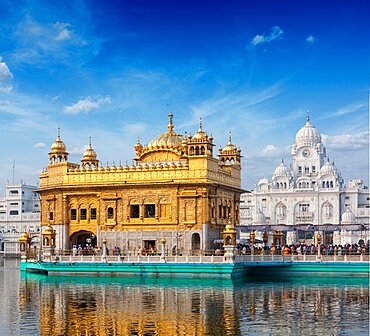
x=113 y=70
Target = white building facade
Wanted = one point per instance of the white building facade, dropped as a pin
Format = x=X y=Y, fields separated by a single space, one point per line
x=19 y=211
x=307 y=198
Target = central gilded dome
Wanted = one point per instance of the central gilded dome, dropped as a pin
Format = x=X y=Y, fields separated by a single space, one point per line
x=167 y=140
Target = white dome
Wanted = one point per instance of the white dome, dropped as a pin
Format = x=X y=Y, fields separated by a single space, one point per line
x=259 y=218
x=327 y=169
x=263 y=181
x=281 y=170
x=308 y=135
x=348 y=217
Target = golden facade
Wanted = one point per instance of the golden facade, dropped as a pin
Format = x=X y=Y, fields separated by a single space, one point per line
x=175 y=189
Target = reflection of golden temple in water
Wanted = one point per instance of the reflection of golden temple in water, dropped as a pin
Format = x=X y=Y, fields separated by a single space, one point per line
x=109 y=306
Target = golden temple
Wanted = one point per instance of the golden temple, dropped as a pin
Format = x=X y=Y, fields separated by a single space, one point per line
x=175 y=189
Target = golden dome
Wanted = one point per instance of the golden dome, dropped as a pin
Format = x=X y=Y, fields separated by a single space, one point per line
x=199 y=134
x=167 y=140
x=48 y=230
x=229 y=146
x=58 y=146
x=24 y=236
x=89 y=153
x=138 y=146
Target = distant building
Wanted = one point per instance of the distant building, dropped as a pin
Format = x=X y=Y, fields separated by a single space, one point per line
x=19 y=210
x=306 y=198
x=176 y=189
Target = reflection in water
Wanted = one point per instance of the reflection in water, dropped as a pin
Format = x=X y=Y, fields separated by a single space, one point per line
x=152 y=306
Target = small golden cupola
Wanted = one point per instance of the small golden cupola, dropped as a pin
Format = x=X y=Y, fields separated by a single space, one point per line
x=200 y=143
x=58 y=151
x=230 y=155
x=138 y=148
x=90 y=158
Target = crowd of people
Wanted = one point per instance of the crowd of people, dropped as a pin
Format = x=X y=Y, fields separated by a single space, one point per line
x=301 y=249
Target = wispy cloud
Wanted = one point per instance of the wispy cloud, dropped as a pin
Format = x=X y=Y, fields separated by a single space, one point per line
x=347 y=142
x=272 y=151
x=348 y=109
x=46 y=42
x=234 y=103
x=39 y=145
x=135 y=129
x=5 y=77
x=310 y=39
x=63 y=31
x=87 y=104
x=275 y=33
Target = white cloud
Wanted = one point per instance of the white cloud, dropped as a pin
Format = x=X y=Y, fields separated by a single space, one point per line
x=5 y=73
x=348 y=109
x=6 y=89
x=234 y=103
x=86 y=105
x=275 y=33
x=5 y=76
x=347 y=142
x=39 y=145
x=310 y=39
x=62 y=31
x=272 y=151
x=135 y=129
x=55 y=97
x=77 y=150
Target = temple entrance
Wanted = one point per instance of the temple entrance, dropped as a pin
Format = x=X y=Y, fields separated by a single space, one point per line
x=83 y=239
x=195 y=242
x=149 y=247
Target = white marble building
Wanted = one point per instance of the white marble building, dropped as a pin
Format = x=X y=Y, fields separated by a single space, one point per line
x=307 y=197
x=19 y=210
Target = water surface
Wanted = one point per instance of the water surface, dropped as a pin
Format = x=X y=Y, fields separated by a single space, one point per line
x=78 y=305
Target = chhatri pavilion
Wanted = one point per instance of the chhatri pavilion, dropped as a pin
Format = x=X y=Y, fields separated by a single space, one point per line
x=176 y=189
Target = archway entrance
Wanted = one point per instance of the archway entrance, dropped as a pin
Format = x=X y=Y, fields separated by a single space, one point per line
x=83 y=239
x=195 y=242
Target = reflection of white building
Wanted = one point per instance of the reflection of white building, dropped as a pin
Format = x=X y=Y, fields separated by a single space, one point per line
x=308 y=197
x=19 y=210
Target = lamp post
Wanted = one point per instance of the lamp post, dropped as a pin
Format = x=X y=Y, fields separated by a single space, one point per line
x=265 y=238
x=163 y=254
x=177 y=241
x=252 y=238
x=104 y=255
x=318 y=239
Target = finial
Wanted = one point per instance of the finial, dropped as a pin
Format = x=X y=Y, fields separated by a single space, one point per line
x=59 y=133
x=138 y=140
x=308 y=116
x=90 y=142
x=282 y=160
x=230 y=138
x=200 y=123
x=170 y=125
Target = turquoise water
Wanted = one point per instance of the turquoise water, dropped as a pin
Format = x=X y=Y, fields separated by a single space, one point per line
x=77 y=305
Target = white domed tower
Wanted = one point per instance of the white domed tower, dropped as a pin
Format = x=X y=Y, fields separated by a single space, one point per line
x=308 y=152
x=282 y=176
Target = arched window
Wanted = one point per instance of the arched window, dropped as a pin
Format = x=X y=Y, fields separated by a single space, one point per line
x=191 y=150
x=202 y=150
x=331 y=184
x=46 y=241
x=110 y=212
x=284 y=185
x=197 y=150
x=323 y=184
